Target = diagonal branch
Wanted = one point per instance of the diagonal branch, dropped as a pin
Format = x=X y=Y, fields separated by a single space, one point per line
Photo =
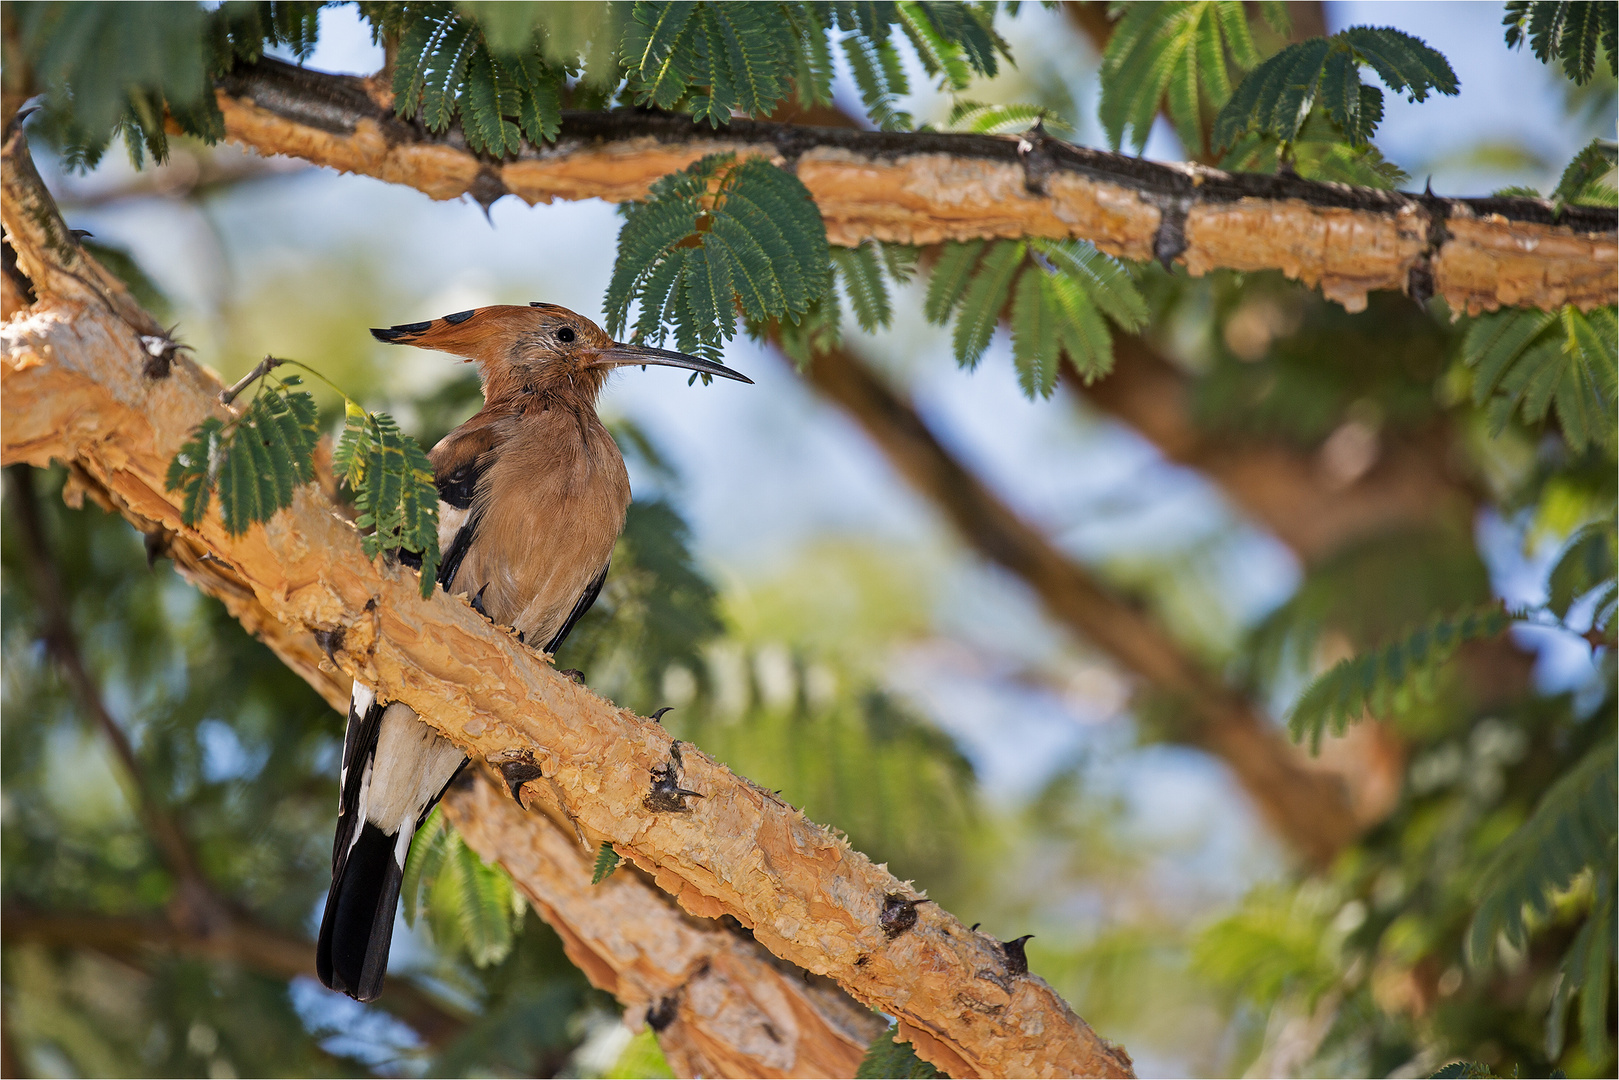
x=1284 y=489
x=1309 y=808
x=196 y=904
x=697 y=983
x=75 y=387
x=923 y=187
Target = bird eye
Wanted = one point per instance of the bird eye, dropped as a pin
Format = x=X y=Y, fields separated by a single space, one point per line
x=565 y=334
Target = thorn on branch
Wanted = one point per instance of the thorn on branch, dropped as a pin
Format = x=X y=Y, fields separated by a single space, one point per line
x=1017 y=961
x=157 y=546
x=487 y=190
x=667 y=796
x=664 y=1013
x=898 y=914
x=1170 y=240
x=1036 y=158
x=518 y=768
x=330 y=641
x=160 y=350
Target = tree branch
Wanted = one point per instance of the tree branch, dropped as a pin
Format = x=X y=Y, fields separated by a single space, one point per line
x=1310 y=808
x=74 y=387
x=1284 y=489
x=721 y=1005
x=923 y=187
x=195 y=903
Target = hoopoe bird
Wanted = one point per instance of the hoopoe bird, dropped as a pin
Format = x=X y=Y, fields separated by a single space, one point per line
x=532 y=496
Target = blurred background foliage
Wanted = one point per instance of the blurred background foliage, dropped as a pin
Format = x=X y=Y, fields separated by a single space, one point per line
x=831 y=638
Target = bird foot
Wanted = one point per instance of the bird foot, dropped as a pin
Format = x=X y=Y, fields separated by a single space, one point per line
x=657 y=717
x=575 y=674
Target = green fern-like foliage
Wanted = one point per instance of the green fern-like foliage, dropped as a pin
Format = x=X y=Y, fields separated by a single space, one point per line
x=1573 y=33
x=1589 y=178
x=888 y=1057
x=1009 y=119
x=392 y=482
x=718 y=236
x=1530 y=362
x=1179 y=53
x=1318 y=152
x=1059 y=293
x=1587 y=566
x=606 y=863
x=860 y=279
x=254 y=461
x=446 y=70
x=112 y=69
x=1389 y=678
x=469 y=904
x=1277 y=96
x=1570 y=835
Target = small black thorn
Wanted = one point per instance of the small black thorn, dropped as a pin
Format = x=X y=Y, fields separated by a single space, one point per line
x=156 y=546
x=1017 y=962
x=517 y=772
x=663 y=1014
x=658 y=716
x=898 y=914
x=667 y=796
x=330 y=641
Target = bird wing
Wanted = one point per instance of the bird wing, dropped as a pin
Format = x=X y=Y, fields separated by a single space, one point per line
x=460 y=461
x=586 y=599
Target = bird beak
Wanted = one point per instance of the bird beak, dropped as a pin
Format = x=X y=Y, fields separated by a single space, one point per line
x=616 y=355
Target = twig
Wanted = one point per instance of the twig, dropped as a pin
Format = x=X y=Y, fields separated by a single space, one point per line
x=62 y=645
x=260 y=369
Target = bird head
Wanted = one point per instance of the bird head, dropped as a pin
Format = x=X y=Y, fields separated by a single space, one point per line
x=541 y=348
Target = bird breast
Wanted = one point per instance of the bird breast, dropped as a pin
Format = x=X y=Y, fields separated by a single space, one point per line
x=548 y=513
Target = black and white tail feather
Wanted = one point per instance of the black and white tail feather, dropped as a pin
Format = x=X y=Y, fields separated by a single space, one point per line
x=395 y=769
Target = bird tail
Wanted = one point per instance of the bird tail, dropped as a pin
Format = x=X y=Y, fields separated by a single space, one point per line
x=358 y=927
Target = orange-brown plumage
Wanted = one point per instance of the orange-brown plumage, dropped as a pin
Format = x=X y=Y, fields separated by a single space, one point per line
x=532 y=496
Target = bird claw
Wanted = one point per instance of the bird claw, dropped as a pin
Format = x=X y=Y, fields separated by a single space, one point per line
x=575 y=674
x=477 y=602
x=657 y=717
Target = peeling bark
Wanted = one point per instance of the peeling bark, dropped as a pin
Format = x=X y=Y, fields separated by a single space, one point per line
x=924 y=187
x=76 y=386
x=721 y=1005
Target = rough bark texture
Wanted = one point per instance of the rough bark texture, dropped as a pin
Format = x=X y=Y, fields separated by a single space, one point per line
x=921 y=188
x=77 y=386
x=721 y=1004
x=1309 y=807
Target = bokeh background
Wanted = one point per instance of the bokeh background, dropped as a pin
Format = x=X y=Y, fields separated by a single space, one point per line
x=1020 y=779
